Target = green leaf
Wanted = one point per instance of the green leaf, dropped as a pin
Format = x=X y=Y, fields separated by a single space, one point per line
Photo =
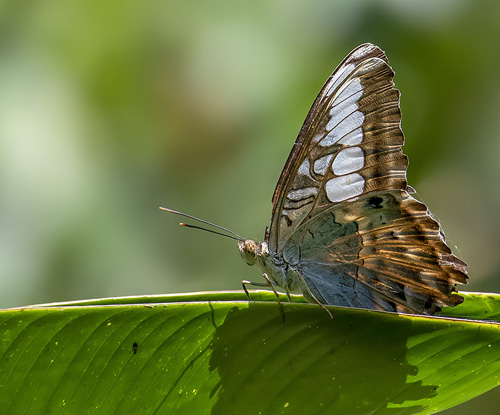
x=216 y=353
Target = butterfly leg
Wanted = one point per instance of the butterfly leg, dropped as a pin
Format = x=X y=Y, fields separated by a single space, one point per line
x=244 y=284
x=268 y=283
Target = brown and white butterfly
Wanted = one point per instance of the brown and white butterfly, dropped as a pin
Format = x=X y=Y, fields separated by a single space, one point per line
x=345 y=229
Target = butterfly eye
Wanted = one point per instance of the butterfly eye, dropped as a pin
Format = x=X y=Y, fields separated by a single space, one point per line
x=248 y=251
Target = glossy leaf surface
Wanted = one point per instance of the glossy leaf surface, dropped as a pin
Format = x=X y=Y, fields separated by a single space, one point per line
x=214 y=353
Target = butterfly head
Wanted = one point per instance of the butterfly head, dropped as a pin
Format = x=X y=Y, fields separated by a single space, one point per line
x=248 y=251
x=251 y=250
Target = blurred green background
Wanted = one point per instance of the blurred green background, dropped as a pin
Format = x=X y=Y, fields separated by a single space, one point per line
x=109 y=109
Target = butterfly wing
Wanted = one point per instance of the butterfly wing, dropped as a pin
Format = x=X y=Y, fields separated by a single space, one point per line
x=350 y=143
x=346 y=160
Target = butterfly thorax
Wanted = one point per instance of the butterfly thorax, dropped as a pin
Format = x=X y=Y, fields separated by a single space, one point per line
x=272 y=264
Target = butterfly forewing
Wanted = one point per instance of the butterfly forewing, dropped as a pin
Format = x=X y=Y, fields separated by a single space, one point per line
x=350 y=144
x=343 y=218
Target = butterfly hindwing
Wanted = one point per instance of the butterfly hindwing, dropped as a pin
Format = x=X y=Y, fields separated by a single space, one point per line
x=383 y=251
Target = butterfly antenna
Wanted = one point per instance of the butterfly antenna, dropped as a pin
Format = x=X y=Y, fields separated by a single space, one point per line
x=209 y=230
x=232 y=235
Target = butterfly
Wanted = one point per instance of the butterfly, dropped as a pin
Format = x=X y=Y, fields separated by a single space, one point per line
x=345 y=229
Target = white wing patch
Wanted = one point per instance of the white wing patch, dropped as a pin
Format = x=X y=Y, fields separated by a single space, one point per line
x=353 y=138
x=339 y=77
x=347 y=101
x=348 y=119
x=344 y=127
x=351 y=122
x=348 y=160
x=300 y=194
x=304 y=169
x=342 y=188
x=321 y=164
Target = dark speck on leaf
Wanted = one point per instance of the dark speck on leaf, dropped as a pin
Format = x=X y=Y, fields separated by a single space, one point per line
x=135 y=346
